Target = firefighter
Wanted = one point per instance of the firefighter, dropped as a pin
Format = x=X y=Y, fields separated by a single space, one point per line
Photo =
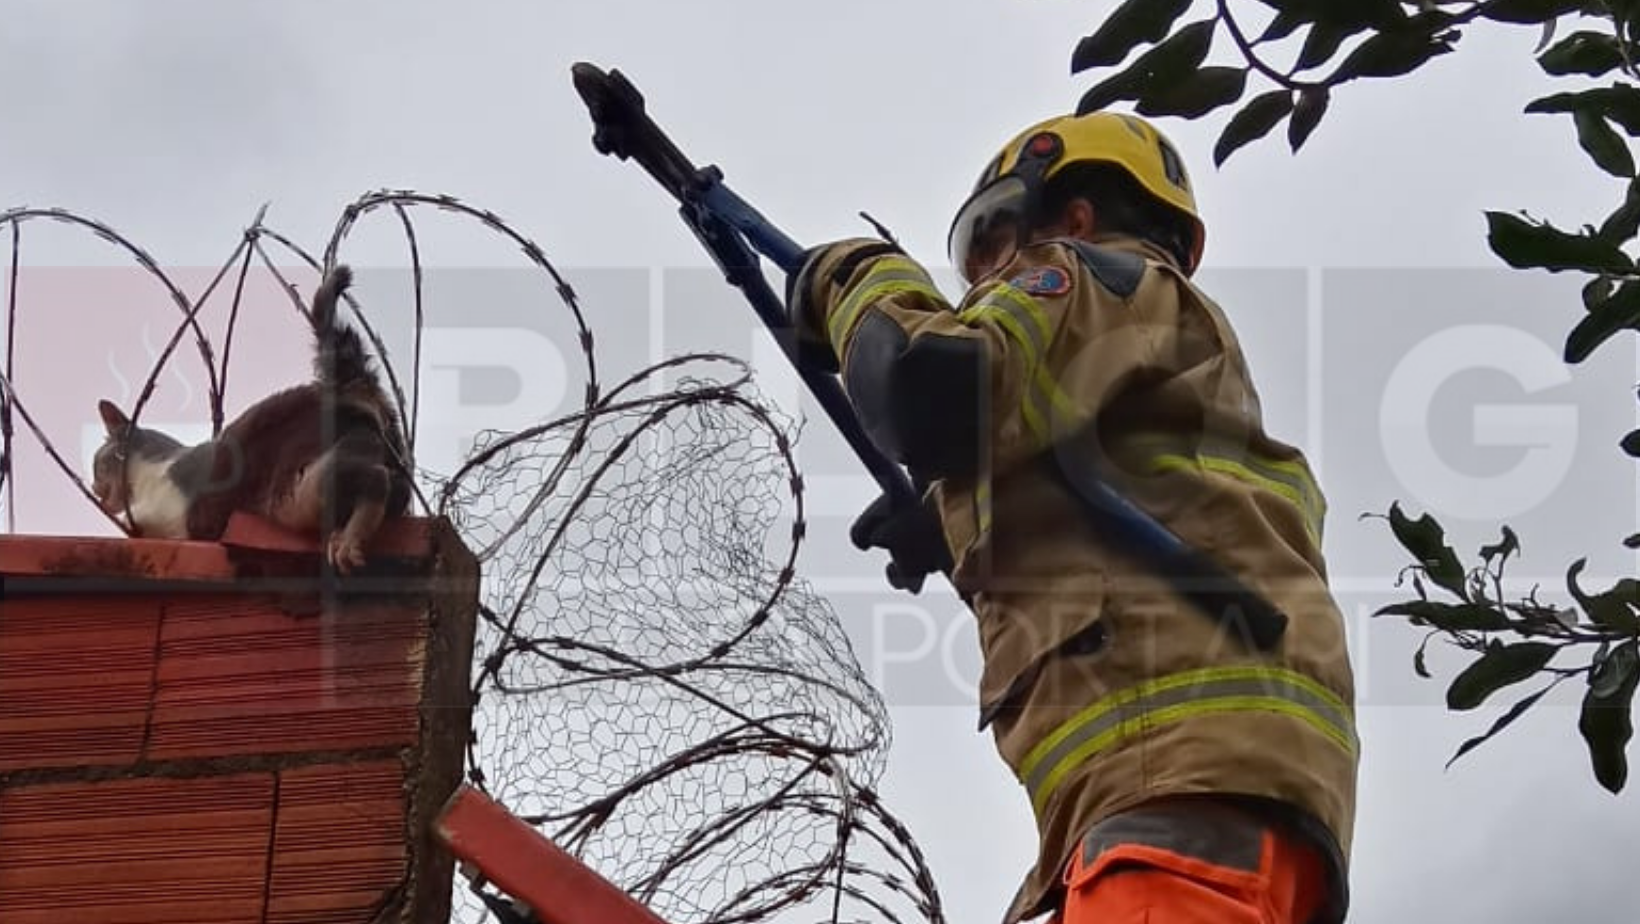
x=1177 y=772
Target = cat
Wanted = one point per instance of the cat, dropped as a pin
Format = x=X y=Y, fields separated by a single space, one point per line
x=327 y=458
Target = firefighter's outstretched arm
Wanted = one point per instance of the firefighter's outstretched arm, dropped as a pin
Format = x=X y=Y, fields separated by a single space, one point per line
x=987 y=384
x=1013 y=375
x=931 y=386
x=924 y=380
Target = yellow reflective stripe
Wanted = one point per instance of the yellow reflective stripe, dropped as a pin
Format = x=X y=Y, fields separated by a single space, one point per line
x=1313 y=522
x=1019 y=315
x=843 y=318
x=1046 y=386
x=1011 y=324
x=1201 y=675
x=1056 y=396
x=1175 y=698
x=887 y=276
x=1285 y=471
x=1289 y=479
x=1018 y=303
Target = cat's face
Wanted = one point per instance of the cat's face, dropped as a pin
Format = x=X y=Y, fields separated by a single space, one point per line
x=125 y=451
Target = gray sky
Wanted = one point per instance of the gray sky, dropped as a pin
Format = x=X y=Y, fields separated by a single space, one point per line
x=1356 y=273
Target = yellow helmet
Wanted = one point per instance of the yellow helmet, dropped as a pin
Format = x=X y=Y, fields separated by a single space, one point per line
x=1008 y=193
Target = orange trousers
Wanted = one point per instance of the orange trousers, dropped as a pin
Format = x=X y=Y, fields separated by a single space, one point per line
x=1142 y=884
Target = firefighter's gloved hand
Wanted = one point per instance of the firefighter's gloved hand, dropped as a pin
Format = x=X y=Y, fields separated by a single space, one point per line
x=913 y=537
x=816 y=284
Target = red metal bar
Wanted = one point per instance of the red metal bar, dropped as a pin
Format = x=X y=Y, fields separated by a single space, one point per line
x=531 y=869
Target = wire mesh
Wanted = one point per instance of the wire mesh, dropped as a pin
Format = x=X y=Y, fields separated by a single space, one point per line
x=657 y=689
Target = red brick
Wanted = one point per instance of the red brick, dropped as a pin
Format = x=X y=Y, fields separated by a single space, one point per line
x=75 y=680
x=409 y=538
x=339 y=842
x=62 y=556
x=136 y=851
x=236 y=679
x=191 y=753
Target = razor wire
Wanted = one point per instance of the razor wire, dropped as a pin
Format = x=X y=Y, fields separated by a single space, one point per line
x=656 y=688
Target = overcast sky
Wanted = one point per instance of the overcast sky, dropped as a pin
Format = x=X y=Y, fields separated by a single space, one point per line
x=1384 y=337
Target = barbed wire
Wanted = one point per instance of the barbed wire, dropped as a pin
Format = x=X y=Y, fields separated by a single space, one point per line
x=656 y=688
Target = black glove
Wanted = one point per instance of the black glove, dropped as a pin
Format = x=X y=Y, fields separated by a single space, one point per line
x=834 y=263
x=913 y=536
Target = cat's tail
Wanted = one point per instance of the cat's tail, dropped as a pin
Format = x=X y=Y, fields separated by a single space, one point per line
x=340 y=359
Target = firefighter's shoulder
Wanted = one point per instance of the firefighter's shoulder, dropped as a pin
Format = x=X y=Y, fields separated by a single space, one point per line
x=1051 y=270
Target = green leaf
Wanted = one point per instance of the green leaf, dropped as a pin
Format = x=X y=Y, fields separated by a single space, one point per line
x=1285 y=24
x=1319 y=45
x=1166 y=64
x=1383 y=15
x=1603 y=144
x=1308 y=10
x=1390 y=54
x=1307 y=112
x=1196 y=95
x=1631 y=443
x=1572 y=587
x=1633 y=542
x=1611 y=609
x=1546 y=36
x=1622 y=225
x=1504 y=721
x=1183 y=51
x=1498 y=667
x=1113 y=89
x=1252 y=122
x=1503 y=548
x=1529 y=11
x=1606 y=723
x=1613 y=614
x=1596 y=291
x=1565 y=615
x=1618 y=102
x=1450 y=617
x=1589 y=53
x=1430 y=19
x=1614 y=609
x=1133 y=23
x=1418 y=665
x=1426 y=541
x=1613 y=670
x=1529 y=245
x=1619 y=312
x=1627 y=590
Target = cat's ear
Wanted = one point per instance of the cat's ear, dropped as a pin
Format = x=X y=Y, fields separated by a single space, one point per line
x=113 y=418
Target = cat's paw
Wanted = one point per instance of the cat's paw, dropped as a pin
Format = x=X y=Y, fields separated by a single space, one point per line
x=345 y=553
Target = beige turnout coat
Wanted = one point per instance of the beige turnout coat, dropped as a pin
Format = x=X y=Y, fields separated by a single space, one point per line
x=1102 y=687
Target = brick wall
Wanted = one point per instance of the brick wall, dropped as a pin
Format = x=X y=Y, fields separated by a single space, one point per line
x=212 y=732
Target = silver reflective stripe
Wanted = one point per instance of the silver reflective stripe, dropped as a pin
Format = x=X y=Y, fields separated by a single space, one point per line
x=1215 y=837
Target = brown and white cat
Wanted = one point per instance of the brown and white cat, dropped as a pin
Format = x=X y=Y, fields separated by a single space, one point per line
x=327 y=458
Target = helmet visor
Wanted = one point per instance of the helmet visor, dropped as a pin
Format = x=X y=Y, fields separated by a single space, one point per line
x=988 y=228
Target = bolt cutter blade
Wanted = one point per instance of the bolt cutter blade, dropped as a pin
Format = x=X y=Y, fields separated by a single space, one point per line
x=621 y=128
